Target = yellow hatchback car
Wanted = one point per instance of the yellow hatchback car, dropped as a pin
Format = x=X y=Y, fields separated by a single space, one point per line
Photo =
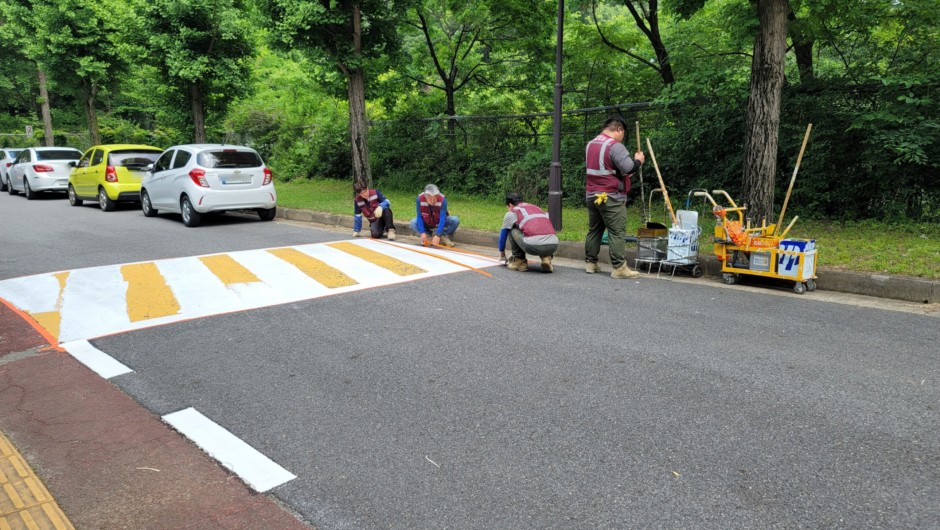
x=110 y=174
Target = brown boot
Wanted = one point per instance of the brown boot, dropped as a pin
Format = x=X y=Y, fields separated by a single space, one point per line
x=547 y=264
x=516 y=264
x=624 y=272
x=447 y=241
x=591 y=267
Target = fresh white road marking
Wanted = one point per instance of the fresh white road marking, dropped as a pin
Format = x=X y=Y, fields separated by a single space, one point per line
x=257 y=470
x=95 y=359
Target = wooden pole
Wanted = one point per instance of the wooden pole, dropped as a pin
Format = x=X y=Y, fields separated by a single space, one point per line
x=792 y=180
x=662 y=185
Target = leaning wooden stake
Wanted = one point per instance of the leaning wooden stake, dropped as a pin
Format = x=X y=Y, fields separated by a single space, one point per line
x=662 y=185
x=792 y=180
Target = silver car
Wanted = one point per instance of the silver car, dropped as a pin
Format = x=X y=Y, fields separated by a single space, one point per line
x=196 y=179
x=38 y=169
x=7 y=156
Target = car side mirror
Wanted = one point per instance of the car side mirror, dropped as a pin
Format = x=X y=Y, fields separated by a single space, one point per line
x=73 y=163
x=148 y=167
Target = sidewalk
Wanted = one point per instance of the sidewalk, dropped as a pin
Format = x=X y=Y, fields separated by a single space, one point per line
x=878 y=285
x=109 y=462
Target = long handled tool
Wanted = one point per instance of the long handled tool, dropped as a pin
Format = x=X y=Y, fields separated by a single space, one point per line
x=643 y=209
x=792 y=180
x=662 y=185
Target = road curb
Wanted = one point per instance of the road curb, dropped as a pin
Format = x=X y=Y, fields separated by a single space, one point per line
x=878 y=285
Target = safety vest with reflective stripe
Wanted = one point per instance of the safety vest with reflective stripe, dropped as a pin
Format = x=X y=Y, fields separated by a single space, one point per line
x=532 y=220
x=602 y=175
x=367 y=206
x=431 y=215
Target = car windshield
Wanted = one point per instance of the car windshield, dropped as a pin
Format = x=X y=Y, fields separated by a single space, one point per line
x=12 y=154
x=58 y=154
x=229 y=158
x=133 y=159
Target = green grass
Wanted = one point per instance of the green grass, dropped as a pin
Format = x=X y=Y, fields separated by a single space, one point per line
x=907 y=249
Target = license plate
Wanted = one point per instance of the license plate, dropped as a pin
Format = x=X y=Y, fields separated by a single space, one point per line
x=61 y=182
x=236 y=180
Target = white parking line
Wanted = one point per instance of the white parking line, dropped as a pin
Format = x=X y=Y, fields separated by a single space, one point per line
x=95 y=359
x=257 y=470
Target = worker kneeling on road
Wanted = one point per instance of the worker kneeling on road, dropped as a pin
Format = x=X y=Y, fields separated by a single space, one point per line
x=433 y=221
x=372 y=205
x=529 y=231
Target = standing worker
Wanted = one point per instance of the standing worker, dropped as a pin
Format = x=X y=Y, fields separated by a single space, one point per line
x=433 y=221
x=529 y=231
x=608 y=181
x=375 y=207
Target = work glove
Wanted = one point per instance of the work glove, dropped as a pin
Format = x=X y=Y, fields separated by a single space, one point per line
x=436 y=240
x=355 y=234
x=502 y=259
x=378 y=212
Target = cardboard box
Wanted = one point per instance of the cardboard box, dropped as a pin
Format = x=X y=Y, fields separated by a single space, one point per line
x=788 y=263
x=683 y=245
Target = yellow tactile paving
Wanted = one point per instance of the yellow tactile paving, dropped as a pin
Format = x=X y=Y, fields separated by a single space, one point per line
x=226 y=269
x=321 y=272
x=25 y=503
x=148 y=295
x=386 y=262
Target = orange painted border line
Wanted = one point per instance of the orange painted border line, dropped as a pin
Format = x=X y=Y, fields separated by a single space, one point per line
x=483 y=272
x=53 y=341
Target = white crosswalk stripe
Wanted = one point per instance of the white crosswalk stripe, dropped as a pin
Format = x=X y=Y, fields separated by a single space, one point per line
x=86 y=303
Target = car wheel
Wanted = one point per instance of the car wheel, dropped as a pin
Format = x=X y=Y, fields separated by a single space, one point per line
x=73 y=198
x=267 y=214
x=190 y=216
x=10 y=189
x=3 y=184
x=146 y=205
x=27 y=191
x=105 y=202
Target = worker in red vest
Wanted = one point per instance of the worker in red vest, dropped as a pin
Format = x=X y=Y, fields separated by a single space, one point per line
x=608 y=181
x=529 y=231
x=372 y=205
x=432 y=220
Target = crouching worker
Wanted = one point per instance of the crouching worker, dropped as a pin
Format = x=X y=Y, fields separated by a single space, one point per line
x=433 y=222
x=372 y=205
x=529 y=231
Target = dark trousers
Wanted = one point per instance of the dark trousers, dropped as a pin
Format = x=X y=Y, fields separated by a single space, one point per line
x=381 y=224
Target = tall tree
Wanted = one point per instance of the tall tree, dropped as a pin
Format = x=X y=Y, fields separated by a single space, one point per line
x=204 y=49
x=350 y=34
x=84 y=40
x=645 y=15
x=476 y=43
x=18 y=33
x=763 y=109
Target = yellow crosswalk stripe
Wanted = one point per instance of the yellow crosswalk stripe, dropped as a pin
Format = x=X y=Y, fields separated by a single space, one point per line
x=386 y=262
x=148 y=295
x=228 y=270
x=324 y=274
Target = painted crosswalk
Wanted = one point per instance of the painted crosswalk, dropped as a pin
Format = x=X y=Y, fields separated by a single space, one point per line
x=92 y=302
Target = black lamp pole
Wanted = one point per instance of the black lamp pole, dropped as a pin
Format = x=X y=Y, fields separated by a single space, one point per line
x=554 y=177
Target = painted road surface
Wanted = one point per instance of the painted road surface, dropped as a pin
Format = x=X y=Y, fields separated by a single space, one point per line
x=97 y=301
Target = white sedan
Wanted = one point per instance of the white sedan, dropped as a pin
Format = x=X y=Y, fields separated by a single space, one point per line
x=192 y=180
x=7 y=156
x=38 y=169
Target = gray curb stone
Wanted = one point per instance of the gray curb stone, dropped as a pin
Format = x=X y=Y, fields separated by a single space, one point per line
x=878 y=285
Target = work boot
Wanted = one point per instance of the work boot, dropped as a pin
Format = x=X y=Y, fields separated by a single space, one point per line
x=592 y=267
x=624 y=272
x=391 y=234
x=447 y=241
x=547 y=264
x=516 y=264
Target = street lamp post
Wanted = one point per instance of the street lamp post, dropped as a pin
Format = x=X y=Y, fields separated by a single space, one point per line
x=554 y=177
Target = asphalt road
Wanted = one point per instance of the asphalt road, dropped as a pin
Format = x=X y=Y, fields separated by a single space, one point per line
x=525 y=400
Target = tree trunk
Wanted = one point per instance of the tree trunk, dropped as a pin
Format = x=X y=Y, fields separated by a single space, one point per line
x=662 y=54
x=451 y=110
x=199 y=116
x=356 y=93
x=803 y=49
x=89 y=91
x=763 y=110
x=44 y=106
x=358 y=128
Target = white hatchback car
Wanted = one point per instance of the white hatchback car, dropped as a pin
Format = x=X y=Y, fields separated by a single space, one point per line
x=200 y=178
x=7 y=156
x=39 y=169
